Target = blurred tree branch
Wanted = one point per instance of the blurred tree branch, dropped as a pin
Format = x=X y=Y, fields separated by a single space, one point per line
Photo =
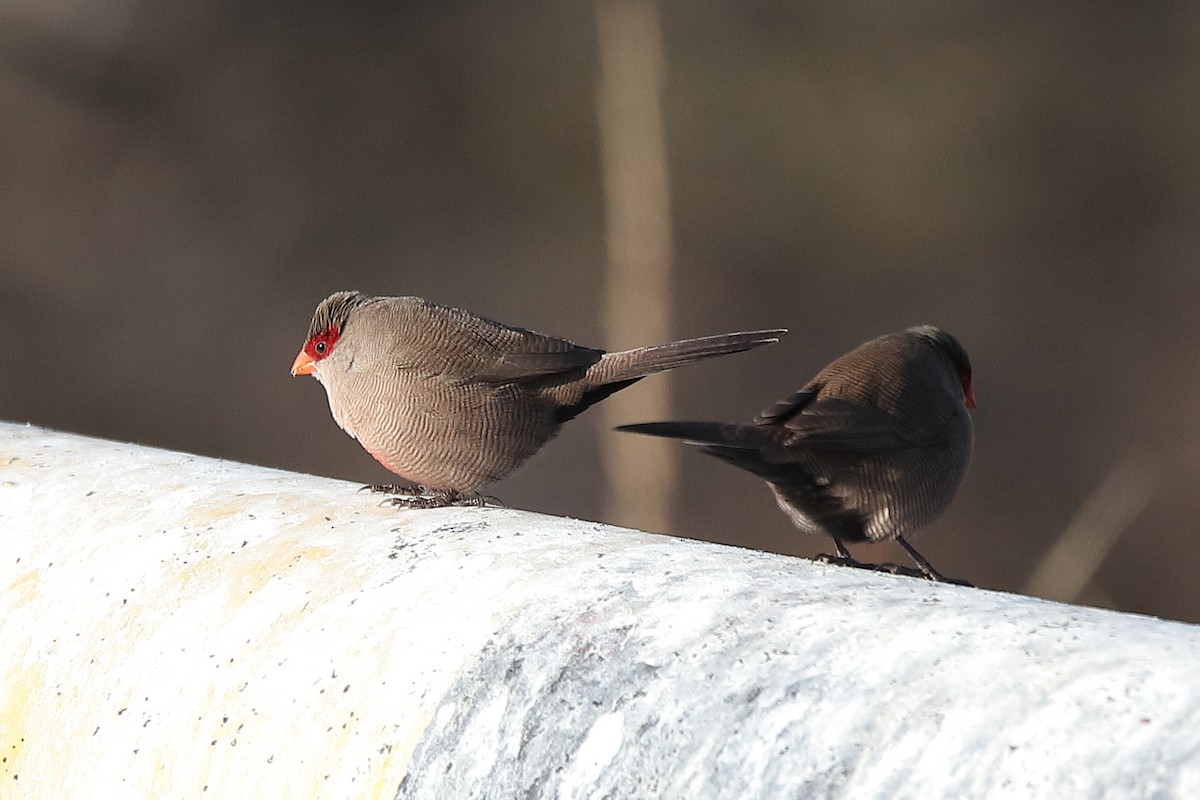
x=1069 y=566
x=641 y=474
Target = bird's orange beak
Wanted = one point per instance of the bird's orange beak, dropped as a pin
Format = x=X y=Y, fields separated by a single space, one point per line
x=303 y=365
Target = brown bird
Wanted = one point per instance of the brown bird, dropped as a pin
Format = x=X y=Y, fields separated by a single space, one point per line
x=452 y=401
x=872 y=448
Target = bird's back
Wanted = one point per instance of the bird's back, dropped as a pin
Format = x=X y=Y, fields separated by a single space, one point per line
x=879 y=448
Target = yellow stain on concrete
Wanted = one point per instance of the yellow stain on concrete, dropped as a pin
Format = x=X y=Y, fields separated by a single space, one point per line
x=24 y=589
x=252 y=572
x=20 y=691
x=247 y=571
x=201 y=514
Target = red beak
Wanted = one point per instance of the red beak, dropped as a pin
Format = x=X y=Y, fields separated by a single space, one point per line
x=967 y=391
x=306 y=365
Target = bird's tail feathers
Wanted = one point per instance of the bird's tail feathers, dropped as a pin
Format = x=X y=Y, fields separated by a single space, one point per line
x=740 y=445
x=629 y=364
x=724 y=435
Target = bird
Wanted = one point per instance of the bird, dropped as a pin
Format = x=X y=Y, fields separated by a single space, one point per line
x=451 y=401
x=873 y=448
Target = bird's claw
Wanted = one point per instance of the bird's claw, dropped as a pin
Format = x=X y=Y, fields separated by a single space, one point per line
x=420 y=497
x=384 y=488
x=940 y=578
x=889 y=568
x=418 y=501
x=841 y=561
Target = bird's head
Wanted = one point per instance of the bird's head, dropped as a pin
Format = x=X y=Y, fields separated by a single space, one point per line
x=328 y=322
x=950 y=347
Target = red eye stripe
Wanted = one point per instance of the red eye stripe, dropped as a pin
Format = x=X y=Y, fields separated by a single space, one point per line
x=322 y=344
x=968 y=391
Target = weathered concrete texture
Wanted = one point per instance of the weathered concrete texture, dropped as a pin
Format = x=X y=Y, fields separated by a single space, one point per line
x=174 y=626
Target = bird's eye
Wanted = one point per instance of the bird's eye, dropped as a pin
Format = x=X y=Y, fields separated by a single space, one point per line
x=321 y=343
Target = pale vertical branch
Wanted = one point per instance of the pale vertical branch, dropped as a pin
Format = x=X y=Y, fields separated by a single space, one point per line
x=1067 y=569
x=640 y=472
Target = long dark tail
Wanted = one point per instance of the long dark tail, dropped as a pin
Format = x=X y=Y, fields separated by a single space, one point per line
x=750 y=448
x=614 y=371
x=629 y=365
x=742 y=445
x=740 y=437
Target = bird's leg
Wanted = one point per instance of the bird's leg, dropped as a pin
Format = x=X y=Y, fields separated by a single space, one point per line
x=926 y=568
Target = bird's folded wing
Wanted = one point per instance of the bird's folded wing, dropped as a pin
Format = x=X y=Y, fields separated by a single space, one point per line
x=520 y=354
x=489 y=352
x=788 y=406
x=453 y=344
x=515 y=366
x=834 y=424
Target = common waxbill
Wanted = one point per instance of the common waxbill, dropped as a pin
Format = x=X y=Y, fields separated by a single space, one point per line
x=452 y=401
x=872 y=448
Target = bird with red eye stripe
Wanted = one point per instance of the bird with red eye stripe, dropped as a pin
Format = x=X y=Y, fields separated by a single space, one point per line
x=874 y=447
x=453 y=401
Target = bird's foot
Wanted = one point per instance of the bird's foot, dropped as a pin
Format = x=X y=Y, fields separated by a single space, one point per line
x=899 y=569
x=927 y=570
x=937 y=577
x=843 y=557
x=385 y=488
x=841 y=561
x=420 y=501
x=889 y=568
x=421 y=497
x=854 y=563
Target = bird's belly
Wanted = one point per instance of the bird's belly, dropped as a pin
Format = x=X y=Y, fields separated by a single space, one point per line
x=795 y=512
x=921 y=484
x=447 y=436
x=871 y=498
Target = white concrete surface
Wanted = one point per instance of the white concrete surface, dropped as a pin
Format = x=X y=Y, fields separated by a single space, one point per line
x=174 y=626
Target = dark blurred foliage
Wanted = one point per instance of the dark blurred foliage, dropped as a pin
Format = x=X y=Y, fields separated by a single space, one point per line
x=180 y=183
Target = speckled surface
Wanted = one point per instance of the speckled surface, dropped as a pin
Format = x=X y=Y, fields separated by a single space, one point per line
x=175 y=626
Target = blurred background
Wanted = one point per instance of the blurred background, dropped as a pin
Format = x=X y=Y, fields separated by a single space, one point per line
x=181 y=183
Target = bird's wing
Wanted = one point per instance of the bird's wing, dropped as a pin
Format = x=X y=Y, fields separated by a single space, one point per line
x=525 y=354
x=473 y=348
x=514 y=354
x=788 y=406
x=836 y=424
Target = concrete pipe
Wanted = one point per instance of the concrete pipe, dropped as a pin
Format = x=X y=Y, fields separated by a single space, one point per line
x=174 y=626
